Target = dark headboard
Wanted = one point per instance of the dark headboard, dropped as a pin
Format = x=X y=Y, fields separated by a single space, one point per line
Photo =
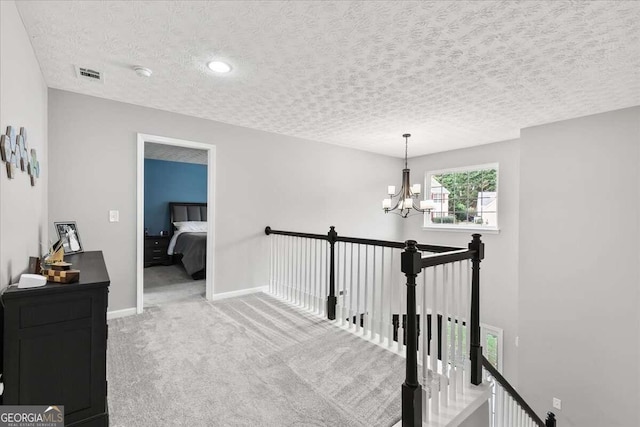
x=185 y=211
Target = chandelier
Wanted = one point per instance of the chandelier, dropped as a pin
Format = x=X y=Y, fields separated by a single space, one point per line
x=404 y=201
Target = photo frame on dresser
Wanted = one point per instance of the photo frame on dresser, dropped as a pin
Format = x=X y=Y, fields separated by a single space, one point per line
x=68 y=233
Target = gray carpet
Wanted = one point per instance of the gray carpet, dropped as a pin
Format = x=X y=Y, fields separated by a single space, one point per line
x=164 y=284
x=246 y=361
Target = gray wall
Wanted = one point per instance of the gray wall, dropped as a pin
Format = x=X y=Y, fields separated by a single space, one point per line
x=579 y=270
x=23 y=102
x=560 y=274
x=499 y=276
x=285 y=182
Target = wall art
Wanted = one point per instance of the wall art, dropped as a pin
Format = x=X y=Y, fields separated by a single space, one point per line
x=14 y=152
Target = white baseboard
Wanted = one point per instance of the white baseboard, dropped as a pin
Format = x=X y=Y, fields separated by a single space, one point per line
x=121 y=313
x=232 y=294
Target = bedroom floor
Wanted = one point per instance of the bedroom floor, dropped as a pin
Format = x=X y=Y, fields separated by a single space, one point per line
x=164 y=284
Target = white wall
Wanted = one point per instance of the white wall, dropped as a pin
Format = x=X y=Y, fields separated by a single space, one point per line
x=579 y=270
x=287 y=183
x=499 y=270
x=23 y=103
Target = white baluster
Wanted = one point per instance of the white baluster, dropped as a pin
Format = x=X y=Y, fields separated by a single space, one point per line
x=324 y=284
x=520 y=416
x=275 y=261
x=400 y=283
x=307 y=303
x=512 y=412
x=282 y=266
x=382 y=316
x=357 y=308
x=320 y=281
x=271 y=265
x=424 y=343
x=316 y=275
x=505 y=408
x=374 y=313
x=365 y=285
x=445 y=335
x=310 y=288
x=298 y=279
x=287 y=265
x=338 y=309
x=351 y=272
x=460 y=330
x=292 y=274
x=301 y=271
x=345 y=294
x=435 y=345
x=453 y=314
x=390 y=327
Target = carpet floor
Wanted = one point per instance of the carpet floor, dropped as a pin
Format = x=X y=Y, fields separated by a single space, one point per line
x=246 y=361
x=166 y=283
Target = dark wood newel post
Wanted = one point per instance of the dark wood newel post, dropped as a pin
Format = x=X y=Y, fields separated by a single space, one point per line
x=551 y=420
x=476 y=346
x=411 y=391
x=332 y=237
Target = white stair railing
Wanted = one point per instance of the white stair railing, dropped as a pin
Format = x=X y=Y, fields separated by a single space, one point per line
x=298 y=271
x=364 y=286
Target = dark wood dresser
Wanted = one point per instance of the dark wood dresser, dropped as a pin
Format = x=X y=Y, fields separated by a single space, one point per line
x=54 y=346
x=155 y=250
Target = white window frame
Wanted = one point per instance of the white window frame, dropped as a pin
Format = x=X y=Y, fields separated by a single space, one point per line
x=495 y=403
x=428 y=225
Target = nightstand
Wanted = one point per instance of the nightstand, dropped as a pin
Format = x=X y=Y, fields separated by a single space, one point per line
x=155 y=250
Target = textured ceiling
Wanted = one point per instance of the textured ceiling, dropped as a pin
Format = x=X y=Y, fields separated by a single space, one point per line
x=173 y=153
x=358 y=74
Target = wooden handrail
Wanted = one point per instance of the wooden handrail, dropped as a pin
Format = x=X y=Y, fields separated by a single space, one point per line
x=512 y=391
x=360 y=241
x=269 y=230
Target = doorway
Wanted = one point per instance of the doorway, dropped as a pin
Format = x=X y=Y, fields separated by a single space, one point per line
x=159 y=227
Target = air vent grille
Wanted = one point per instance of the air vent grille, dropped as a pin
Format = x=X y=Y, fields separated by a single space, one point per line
x=89 y=74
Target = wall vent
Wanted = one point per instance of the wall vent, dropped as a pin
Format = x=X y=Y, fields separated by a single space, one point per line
x=89 y=74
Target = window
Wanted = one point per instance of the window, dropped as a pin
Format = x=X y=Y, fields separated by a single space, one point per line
x=463 y=198
x=491 y=339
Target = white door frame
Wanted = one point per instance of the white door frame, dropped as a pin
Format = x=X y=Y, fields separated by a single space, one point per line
x=211 y=162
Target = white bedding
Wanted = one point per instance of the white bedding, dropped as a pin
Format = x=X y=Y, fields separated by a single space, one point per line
x=172 y=242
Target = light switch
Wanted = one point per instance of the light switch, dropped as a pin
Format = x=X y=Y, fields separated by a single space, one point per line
x=557 y=403
x=114 y=216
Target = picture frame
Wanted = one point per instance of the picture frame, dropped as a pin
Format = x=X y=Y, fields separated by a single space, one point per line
x=70 y=237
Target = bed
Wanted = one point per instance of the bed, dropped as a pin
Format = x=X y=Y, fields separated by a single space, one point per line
x=188 y=243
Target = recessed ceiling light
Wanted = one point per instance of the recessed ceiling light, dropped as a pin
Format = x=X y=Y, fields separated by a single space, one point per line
x=219 y=66
x=142 y=71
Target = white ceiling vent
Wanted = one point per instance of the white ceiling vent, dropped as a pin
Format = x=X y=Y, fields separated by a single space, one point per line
x=89 y=74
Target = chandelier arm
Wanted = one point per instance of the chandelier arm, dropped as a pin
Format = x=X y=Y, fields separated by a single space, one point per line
x=419 y=209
